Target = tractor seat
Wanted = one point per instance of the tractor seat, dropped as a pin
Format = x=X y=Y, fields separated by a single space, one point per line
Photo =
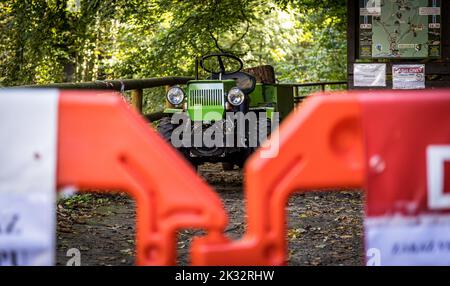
x=244 y=81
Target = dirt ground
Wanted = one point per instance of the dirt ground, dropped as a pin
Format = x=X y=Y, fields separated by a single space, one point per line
x=325 y=228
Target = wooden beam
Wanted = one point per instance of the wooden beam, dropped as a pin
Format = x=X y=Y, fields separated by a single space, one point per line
x=119 y=85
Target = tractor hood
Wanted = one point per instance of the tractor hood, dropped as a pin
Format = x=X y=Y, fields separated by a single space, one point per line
x=206 y=99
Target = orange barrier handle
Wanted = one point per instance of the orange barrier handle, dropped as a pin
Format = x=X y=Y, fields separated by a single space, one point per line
x=321 y=146
x=104 y=144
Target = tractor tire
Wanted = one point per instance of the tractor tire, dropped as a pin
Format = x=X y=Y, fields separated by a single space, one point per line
x=269 y=130
x=240 y=163
x=165 y=128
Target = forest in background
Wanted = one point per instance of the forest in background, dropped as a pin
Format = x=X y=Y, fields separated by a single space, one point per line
x=47 y=41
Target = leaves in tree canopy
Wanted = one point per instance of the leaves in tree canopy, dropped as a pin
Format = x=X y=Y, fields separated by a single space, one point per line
x=43 y=41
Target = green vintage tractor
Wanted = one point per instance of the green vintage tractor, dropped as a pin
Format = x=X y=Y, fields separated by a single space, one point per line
x=230 y=107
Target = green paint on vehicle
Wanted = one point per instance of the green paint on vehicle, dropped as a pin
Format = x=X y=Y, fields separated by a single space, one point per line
x=206 y=99
x=271 y=98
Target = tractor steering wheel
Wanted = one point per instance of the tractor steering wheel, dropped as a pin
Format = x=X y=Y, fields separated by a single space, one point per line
x=231 y=61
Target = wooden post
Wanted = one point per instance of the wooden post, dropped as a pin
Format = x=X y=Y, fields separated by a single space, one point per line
x=295 y=91
x=137 y=98
x=322 y=87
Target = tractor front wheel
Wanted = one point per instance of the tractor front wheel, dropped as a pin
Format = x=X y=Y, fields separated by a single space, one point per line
x=165 y=129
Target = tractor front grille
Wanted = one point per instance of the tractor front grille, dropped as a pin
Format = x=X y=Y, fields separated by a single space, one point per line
x=206 y=97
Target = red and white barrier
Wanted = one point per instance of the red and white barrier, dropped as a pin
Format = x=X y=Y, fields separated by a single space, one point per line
x=394 y=144
x=407 y=137
x=92 y=140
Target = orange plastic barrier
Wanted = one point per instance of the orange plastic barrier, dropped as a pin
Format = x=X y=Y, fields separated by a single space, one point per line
x=320 y=147
x=103 y=144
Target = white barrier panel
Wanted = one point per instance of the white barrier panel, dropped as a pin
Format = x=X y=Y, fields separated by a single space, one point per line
x=28 y=150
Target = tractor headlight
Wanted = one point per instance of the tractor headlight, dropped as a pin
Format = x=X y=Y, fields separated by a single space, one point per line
x=236 y=96
x=175 y=95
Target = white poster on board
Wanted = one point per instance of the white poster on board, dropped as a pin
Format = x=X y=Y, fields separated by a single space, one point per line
x=408 y=76
x=369 y=75
x=28 y=132
x=409 y=241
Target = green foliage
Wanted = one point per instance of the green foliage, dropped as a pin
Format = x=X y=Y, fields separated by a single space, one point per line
x=43 y=41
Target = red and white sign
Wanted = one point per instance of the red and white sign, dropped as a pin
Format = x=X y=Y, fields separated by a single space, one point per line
x=28 y=132
x=408 y=187
x=408 y=76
